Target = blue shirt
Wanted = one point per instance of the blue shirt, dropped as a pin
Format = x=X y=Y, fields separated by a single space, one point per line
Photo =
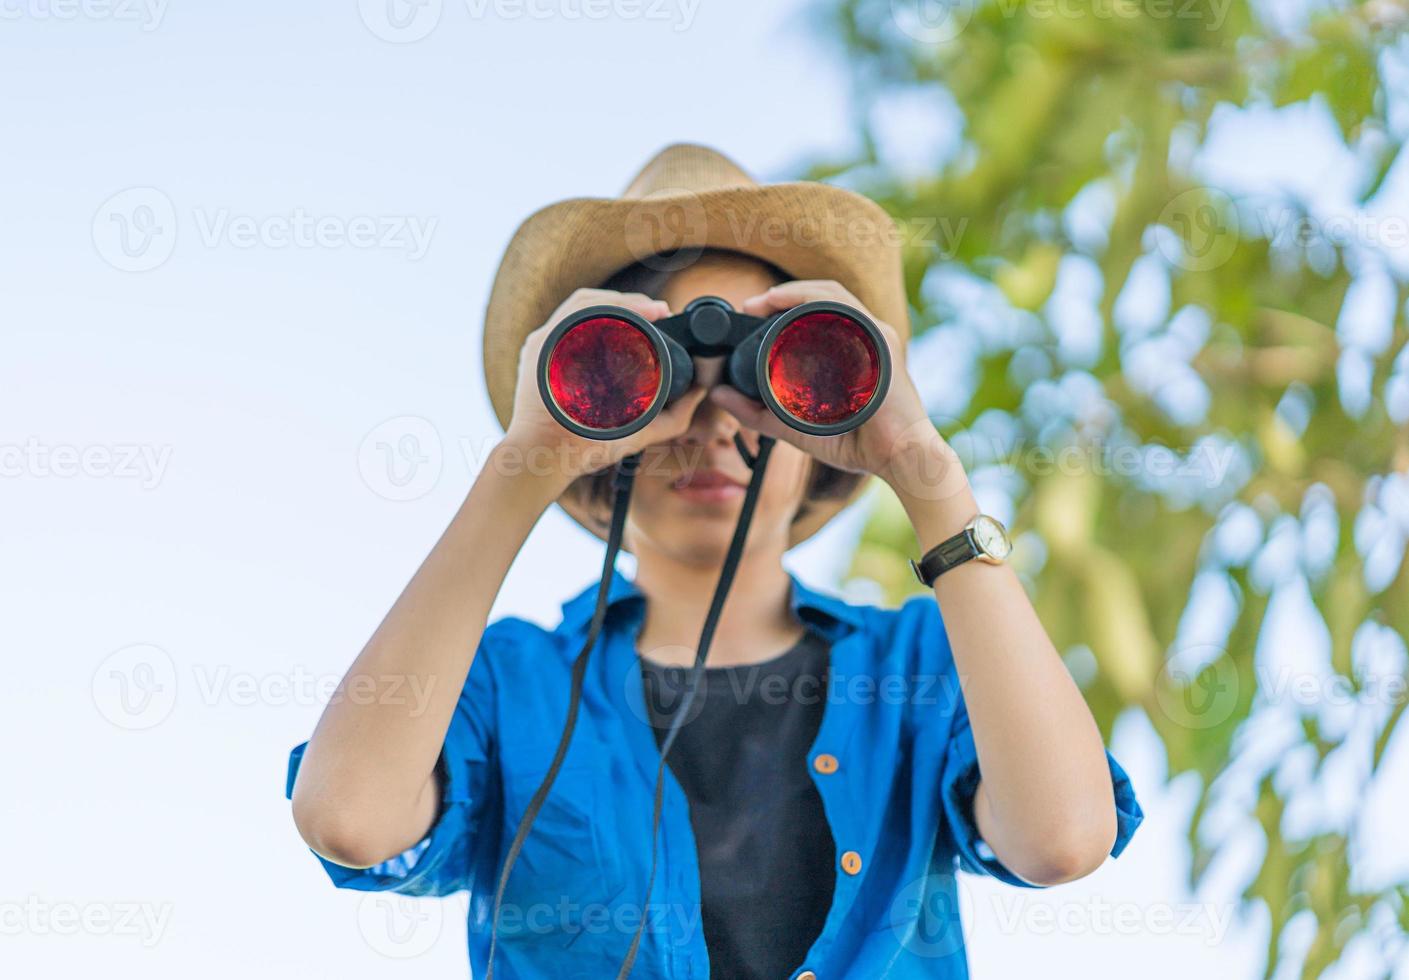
x=897 y=776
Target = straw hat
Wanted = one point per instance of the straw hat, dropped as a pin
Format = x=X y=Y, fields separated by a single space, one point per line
x=684 y=200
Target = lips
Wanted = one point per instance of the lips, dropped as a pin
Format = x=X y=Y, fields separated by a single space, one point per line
x=708 y=486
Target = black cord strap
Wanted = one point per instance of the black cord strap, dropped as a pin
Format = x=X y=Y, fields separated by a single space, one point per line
x=625 y=477
x=758 y=463
x=750 y=459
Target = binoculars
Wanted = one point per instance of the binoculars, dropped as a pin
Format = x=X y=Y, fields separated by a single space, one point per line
x=605 y=372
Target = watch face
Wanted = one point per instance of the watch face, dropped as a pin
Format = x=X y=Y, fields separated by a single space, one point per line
x=990 y=536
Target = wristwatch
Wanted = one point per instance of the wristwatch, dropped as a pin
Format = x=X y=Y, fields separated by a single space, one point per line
x=983 y=538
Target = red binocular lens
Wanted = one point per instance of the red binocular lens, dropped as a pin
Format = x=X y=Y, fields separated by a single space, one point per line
x=822 y=369
x=605 y=372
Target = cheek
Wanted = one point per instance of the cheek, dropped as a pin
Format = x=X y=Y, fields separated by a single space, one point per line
x=649 y=497
x=786 y=483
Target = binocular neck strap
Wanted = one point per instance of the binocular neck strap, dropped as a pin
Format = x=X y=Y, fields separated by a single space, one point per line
x=623 y=481
x=625 y=477
x=758 y=462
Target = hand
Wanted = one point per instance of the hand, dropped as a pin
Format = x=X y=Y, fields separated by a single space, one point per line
x=535 y=434
x=899 y=443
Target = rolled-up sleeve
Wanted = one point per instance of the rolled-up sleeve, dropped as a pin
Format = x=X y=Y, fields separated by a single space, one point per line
x=959 y=783
x=441 y=863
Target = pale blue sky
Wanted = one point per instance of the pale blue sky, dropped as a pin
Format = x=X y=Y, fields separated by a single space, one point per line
x=232 y=530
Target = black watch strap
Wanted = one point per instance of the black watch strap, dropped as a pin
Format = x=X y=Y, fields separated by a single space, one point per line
x=945 y=555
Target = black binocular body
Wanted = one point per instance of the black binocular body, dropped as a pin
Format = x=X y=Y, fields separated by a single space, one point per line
x=822 y=367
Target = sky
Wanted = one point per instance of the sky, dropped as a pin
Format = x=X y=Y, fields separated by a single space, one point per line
x=244 y=252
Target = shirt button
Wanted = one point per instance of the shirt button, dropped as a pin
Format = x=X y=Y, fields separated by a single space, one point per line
x=825 y=764
x=851 y=863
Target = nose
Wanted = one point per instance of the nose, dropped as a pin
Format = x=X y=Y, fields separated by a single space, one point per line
x=709 y=371
x=710 y=423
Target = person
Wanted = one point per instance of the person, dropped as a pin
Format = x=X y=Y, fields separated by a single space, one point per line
x=842 y=761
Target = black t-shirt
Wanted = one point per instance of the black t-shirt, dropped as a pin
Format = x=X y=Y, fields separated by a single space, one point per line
x=766 y=854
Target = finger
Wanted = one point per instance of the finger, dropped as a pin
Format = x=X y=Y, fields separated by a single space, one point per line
x=789 y=294
x=758 y=418
x=646 y=306
x=675 y=418
x=751 y=414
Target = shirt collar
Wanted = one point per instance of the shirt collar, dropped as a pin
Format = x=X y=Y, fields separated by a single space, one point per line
x=621 y=592
x=804 y=601
x=807 y=604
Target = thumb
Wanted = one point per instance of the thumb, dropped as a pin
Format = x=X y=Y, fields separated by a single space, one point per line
x=675 y=418
x=750 y=413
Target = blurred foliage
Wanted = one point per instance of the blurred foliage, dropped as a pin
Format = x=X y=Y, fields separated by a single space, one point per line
x=1170 y=383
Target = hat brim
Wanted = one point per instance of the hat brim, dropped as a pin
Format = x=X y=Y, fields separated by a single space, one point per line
x=808 y=229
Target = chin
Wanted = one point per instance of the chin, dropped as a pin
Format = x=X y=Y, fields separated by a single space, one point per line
x=701 y=552
x=702 y=542
x=694 y=535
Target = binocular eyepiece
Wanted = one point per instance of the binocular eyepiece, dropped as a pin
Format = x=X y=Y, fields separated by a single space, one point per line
x=822 y=368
